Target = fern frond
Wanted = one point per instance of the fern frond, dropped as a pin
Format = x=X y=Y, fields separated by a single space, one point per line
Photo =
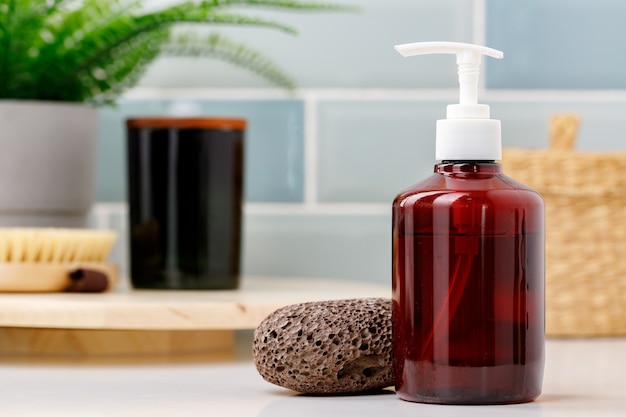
x=81 y=50
x=288 y=4
x=57 y=69
x=129 y=63
x=220 y=47
x=104 y=42
x=20 y=24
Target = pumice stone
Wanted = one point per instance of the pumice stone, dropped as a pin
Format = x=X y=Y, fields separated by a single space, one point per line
x=327 y=347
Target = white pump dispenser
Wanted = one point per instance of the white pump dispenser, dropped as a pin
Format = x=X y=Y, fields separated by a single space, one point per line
x=467 y=134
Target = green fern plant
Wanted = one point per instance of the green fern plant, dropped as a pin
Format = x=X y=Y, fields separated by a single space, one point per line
x=93 y=50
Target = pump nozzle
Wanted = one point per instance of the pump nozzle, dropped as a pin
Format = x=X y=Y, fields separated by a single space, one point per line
x=468 y=59
x=468 y=133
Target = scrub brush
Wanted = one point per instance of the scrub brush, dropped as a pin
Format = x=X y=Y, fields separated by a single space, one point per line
x=52 y=260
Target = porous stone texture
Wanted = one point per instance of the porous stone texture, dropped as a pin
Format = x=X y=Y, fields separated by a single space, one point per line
x=329 y=347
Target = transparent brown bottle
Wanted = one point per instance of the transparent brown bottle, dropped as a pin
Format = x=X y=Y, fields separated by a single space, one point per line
x=468 y=263
x=468 y=287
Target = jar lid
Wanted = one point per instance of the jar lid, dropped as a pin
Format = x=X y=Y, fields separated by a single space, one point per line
x=186 y=123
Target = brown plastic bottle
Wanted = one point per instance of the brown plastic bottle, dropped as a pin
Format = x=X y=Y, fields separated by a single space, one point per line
x=468 y=287
x=468 y=263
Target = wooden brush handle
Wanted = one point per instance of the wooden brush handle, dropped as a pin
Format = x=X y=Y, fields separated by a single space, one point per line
x=33 y=277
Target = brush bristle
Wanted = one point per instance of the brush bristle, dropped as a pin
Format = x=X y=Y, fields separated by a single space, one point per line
x=54 y=245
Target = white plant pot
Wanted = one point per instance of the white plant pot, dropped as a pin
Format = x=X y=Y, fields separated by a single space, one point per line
x=47 y=157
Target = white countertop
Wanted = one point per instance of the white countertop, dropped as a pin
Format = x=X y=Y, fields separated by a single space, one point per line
x=584 y=377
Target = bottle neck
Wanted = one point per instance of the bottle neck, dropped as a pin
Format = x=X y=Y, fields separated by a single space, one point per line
x=468 y=168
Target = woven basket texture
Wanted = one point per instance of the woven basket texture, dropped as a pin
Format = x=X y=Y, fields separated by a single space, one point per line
x=585 y=197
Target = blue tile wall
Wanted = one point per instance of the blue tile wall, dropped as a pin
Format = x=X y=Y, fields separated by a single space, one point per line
x=370 y=151
x=118 y=220
x=557 y=43
x=362 y=159
x=525 y=124
x=111 y=149
x=336 y=49
x=369 y=146
x=340 y=246
x=274 y=145
x=348 y=247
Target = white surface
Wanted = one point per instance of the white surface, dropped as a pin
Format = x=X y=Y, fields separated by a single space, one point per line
x=583 y=378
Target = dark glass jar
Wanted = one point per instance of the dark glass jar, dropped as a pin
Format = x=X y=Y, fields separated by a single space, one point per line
x=185 y=185
x=468 y=287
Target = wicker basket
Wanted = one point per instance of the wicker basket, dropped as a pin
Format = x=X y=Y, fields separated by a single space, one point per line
x=585 y=196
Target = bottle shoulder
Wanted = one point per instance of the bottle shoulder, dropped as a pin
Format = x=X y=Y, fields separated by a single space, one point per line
x=497 y=186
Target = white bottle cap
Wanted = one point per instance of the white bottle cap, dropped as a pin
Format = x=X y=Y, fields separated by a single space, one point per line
x=467 y=134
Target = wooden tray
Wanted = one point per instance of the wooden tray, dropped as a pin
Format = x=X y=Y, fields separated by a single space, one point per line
x=140 y=321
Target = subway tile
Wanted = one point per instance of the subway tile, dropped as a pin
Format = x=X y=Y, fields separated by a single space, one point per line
x=353 y=247
x=525 y=123
x=118 y=221
x=370 y=151
x=114 y=218
x=111 y=149
x=336 y=49
x=557 y=44
x=274 y=144
x=350 y=247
